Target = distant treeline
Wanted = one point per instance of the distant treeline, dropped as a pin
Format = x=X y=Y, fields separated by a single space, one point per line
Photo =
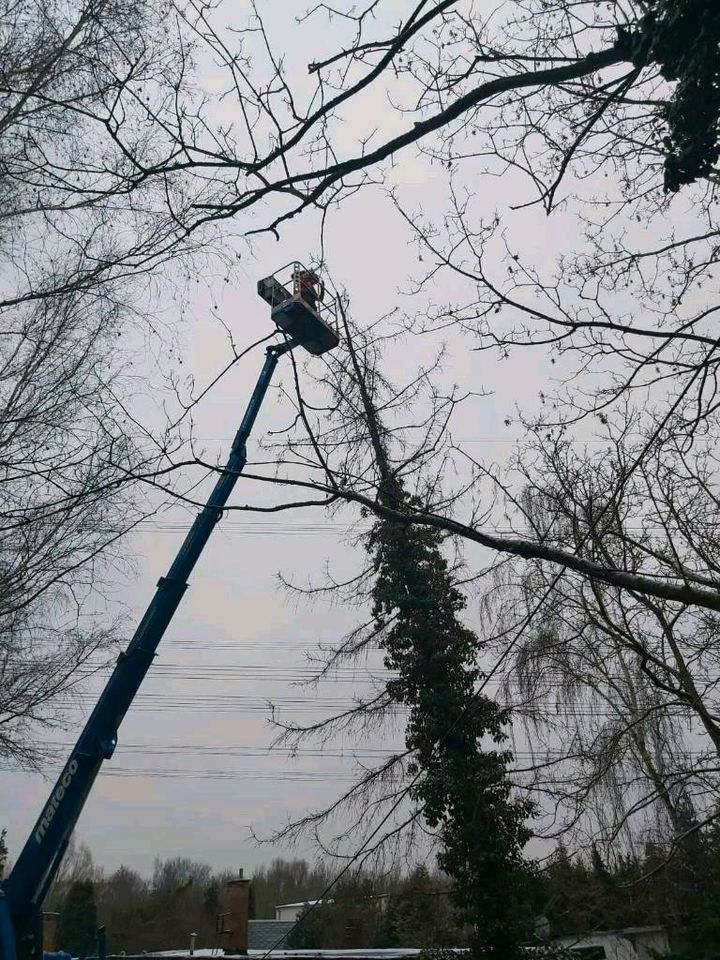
x=184 y=897
x=678 y=889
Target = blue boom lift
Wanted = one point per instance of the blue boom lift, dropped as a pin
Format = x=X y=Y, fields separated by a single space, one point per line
x=295 y=295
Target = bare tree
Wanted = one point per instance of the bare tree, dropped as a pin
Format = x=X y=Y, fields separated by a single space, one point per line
x=464 y=72
x=59 y=437
x=535 y=90
x=83 y=237
x=446 y=789
x=618 y=690
x=546 y=95
x=613 y=686
x=586 y=113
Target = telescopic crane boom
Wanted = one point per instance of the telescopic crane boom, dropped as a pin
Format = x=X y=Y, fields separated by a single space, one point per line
x=23 y=892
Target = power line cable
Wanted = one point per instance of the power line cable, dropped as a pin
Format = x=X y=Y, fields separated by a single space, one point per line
x=527 y=621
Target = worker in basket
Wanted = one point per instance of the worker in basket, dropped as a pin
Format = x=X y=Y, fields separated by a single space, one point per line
x=309 y=286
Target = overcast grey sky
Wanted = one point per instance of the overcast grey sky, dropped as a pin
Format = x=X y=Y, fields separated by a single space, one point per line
x=191 y=776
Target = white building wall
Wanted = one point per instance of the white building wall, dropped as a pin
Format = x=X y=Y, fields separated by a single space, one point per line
x=615 y=947
x=630 y=944
x=287 y=911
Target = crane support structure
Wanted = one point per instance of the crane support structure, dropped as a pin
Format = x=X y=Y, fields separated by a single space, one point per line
x=23 y=892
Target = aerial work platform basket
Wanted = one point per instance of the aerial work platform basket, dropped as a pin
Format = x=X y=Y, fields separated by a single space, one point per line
x=301 y=308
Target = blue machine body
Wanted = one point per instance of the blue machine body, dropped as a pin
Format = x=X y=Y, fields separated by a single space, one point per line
x=23 y=892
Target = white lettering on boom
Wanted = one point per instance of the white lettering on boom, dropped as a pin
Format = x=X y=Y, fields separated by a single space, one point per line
x=54 y=801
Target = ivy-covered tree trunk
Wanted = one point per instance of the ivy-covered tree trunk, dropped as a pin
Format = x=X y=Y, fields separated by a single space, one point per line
x=457 y=734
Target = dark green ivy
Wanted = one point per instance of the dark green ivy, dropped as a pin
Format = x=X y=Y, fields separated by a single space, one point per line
x=683 y=38
x=457 y=734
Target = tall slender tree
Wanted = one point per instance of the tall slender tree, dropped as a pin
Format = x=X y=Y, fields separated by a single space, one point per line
x=77 y=925
x=456 y=773
x=456 y=735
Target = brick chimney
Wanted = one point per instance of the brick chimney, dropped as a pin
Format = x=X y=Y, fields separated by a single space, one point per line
x=49 y=930
x=237 y=898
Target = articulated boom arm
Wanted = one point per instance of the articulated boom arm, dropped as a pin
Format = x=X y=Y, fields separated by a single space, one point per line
x=23 y=892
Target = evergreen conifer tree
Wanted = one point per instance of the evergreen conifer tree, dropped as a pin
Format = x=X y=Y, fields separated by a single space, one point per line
x=77 y=924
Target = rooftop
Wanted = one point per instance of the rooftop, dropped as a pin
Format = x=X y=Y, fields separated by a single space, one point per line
x=264 y=935
x=301 y=903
